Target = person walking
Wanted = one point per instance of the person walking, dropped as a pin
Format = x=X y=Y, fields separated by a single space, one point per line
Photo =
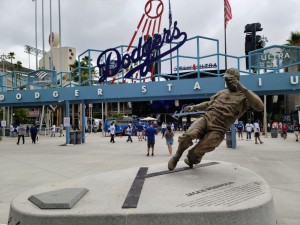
x=173 y=127
x=53 y=130
x=150 y=134
x=129 y=133
x=240 y=129
x=33 y=133
x=284 y=130
x=144 y=132
x=61 y=130
x=249 y=129
x=139 y=131
x=221 y=111
x=21 y=133
x=257 y=132
x=112 y=131
x=27 y=131
x=296 y=129
x=163 y=129
x=11 y=131
x=169 y=135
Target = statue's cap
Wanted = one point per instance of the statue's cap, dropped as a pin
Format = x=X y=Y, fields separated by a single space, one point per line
x=232 y=72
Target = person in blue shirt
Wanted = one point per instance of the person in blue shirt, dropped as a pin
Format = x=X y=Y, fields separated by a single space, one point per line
x=240 y=129
x=150 y=133
x=139 y=131
x=33 y=133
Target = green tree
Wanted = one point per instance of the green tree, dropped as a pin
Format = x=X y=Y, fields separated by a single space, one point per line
x=84 y=71
x=294 y=39
x=21 y=115
x=18 y=67
x=11 y=56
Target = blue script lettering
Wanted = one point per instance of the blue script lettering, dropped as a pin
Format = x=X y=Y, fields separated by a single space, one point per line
x=143 y=52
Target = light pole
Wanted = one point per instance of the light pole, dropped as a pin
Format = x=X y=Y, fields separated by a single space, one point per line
x=2 y=57
x=36 y=55
x=43 y=34
x=51 y=37
x=60 y=50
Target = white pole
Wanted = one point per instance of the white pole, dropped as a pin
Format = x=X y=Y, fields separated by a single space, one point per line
x=60 y=45
x=265 y=116
x=102 y=123
x=43 y=34
x=51 y=60
x=3 y=128
x=36 y=53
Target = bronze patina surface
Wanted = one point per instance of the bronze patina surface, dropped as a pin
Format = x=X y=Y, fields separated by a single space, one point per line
x=222 y=110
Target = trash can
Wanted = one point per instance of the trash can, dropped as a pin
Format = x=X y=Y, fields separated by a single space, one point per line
x=95 y=129
x=228 y=139
x=274 y=133
x=78 y=137
x=72 y=137
x=7 y=132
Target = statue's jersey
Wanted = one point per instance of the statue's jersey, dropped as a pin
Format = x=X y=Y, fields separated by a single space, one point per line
x=224 y=108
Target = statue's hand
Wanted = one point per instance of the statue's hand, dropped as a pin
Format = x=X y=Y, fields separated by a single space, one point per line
x=240 y=86
x=188 y=108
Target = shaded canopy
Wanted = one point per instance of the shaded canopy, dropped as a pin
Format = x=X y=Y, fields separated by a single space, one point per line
x=148 y=118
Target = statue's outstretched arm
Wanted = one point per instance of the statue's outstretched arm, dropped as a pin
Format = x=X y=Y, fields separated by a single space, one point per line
x=202 y=105
x=253 y=100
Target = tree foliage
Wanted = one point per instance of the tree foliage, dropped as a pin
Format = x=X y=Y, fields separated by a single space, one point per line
x=294 y=39
x=21 y=115
x=85 y=63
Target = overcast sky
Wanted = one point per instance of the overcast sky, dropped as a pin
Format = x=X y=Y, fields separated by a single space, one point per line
x=101 y=24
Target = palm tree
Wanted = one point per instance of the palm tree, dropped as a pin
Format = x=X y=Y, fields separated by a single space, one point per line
x=18 y=66
x=294 y=39
x=84 y=73
x=11 y=56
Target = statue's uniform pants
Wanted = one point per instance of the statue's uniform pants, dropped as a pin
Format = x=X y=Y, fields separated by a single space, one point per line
x=210 y=131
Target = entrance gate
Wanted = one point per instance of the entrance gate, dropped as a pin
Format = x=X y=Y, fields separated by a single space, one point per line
x=270 y=78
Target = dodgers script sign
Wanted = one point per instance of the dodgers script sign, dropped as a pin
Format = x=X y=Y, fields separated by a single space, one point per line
x=148 y=50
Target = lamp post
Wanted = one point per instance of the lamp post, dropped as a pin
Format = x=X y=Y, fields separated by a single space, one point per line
x=2 y=57
x=51 y=38
x=43 y=34
x=36 y=55
x=60 y=50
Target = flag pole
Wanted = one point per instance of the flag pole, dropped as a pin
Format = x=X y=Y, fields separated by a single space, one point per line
x=227 y=17
x=170 y=25
x=225 y=47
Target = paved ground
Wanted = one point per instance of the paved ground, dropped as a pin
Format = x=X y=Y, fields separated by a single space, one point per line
x=23 y=167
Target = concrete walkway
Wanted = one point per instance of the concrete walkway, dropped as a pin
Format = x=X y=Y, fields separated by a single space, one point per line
x=23 y=167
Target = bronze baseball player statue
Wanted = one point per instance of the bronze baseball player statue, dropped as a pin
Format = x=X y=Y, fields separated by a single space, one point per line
x=221 y=111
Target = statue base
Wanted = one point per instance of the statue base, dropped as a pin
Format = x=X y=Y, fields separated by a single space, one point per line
x=211 y=193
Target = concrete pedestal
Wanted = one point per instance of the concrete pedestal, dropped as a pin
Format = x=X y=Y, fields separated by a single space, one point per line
x=216 y=193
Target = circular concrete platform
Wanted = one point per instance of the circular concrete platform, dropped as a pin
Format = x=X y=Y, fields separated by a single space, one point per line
x=212 y=193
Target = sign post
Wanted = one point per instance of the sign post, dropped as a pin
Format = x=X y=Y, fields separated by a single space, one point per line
x=3 y=124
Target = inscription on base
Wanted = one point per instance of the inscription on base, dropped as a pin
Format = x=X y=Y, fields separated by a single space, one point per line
x=228 y=196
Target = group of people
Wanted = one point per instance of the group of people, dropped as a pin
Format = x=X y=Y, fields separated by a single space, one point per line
x=146 y=133
x=282 y=129
x=249 y=129
x=22 y=131
x=61 y=130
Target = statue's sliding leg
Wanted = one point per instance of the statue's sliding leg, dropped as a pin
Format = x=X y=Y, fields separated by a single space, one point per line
x=186 y=140
x=208 y=143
